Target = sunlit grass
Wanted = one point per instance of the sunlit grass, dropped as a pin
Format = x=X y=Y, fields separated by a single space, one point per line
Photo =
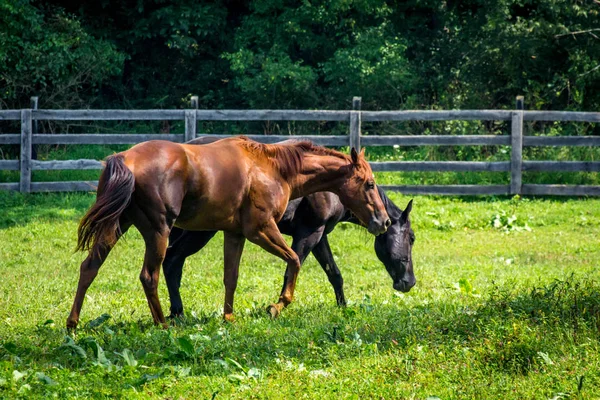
x=507 y=305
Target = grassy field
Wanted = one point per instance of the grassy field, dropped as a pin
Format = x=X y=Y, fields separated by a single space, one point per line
x=507 y=305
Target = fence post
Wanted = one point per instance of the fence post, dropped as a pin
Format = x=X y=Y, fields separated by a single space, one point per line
x=355 y=122
x=516 y=141
x=25 y=159
x=34 y=130
x=190 y=120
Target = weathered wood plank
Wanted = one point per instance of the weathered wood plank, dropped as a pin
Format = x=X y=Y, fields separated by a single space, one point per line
x=436 y=140
x=303 y=115
x=331 y=140
x=9 y=165
x=495 y=166
x=561 y=116
x=355 y=122
x=9 y=186
x=564 y=166
x=103 y=138
x=25 y=159
x=516 y=156
x=10 y=138
x=109 y=115
x=14 y=115
x=520 y=103
x=93 y=138
x=465 y=190
x=272 y=115
x=190 y=125
x=33 y=101
x=322 y=140
x=561 y=141
x=561 y=190
x=65 y=164
x=68 y=186
x=435 y=115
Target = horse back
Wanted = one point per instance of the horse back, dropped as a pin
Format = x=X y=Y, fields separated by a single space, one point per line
x=205 y=187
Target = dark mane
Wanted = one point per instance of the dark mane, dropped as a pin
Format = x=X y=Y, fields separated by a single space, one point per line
x=288 y=157
x=392 y=209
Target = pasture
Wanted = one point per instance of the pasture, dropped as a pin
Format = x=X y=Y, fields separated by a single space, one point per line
x=507 y=305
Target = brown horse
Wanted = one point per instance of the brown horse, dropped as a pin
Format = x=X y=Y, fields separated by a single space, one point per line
x=235 y=185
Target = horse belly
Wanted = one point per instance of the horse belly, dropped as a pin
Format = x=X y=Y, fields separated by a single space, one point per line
x=204 y=215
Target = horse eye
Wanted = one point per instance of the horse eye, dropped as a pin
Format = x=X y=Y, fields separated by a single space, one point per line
x=370 y=185
x=412 y=238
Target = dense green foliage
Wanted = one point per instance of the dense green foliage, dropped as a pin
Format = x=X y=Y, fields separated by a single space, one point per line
x=419 y=54
x=318 y=54
x=507 y=305
x=51 y=55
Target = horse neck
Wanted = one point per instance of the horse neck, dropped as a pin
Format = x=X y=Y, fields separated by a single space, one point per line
x=320 y=173
x=392 y=209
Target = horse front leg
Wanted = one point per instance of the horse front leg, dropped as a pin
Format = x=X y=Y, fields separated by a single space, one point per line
x=269 y=238
x=233 y=247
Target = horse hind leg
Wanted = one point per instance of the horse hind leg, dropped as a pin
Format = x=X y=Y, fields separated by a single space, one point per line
x=324 y=256
x=88 y=272
x=233 y=246
x=156 y=247
x=184 y=245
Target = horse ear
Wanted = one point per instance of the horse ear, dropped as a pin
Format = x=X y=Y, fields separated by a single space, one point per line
x=354 y=156
x=406 y=212
x=362 y=153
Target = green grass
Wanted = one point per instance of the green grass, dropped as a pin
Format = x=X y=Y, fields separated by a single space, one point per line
x=504 y=307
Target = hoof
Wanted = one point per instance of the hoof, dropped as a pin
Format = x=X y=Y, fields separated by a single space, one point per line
x=71 y=325
x=273 y=311
x=228 y=318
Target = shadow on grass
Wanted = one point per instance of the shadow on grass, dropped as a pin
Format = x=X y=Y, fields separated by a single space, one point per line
x=507 y=330
x=21 y=209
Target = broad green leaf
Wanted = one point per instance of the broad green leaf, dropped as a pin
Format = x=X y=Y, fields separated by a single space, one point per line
x=45 y=379
x=17 y=375
x=546 y=358
x=237 y=364
x=95 y=323
x=465 y=286
x=72 y=347
x=186 y=346
x=145 y=378
x=128 y=357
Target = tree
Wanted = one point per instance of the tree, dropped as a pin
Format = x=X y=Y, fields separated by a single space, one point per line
x=47 y=53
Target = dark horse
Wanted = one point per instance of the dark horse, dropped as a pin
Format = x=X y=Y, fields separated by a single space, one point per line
x=309 y=220
x=235 y=185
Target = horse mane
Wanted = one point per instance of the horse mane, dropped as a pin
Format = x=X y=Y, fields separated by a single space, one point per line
x=392 y=209
x=287 y=158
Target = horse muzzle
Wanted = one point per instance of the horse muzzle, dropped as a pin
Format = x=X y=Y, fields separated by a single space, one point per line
x=404 y=286
x=377 y=227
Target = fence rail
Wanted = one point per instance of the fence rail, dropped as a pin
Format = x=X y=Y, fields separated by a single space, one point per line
x=354 y=118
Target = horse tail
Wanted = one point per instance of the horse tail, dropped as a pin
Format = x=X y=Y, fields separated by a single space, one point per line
x=101 y=223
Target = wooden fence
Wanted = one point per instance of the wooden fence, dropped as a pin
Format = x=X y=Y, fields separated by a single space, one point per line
x=27 y=138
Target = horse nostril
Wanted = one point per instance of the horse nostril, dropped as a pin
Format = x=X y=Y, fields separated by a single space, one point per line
x=388 y=222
